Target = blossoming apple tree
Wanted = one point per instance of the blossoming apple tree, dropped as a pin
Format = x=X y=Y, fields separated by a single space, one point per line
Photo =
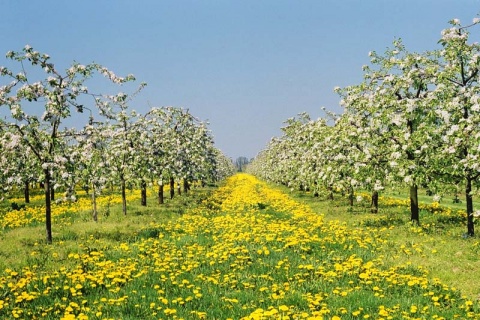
x=17 y=163
x=222 y=166
x=92 y=170
x=397 y=105
x=458 y=93
x=414 y=120
x=58 y=95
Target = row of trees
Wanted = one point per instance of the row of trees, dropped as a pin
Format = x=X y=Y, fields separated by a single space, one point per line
x=106 y=143
x=241 y=163
x=413 y=121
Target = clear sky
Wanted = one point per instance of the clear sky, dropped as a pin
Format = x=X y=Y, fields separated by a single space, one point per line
x=245 y=66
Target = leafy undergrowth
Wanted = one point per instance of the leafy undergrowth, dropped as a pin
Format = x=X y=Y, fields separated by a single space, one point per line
x=248 y=251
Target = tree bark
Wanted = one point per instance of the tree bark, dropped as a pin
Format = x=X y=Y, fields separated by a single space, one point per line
x=48 y=206
x=469 y=200
x=351 y=196
x=414 y=204
x=144 y=193
x=124 y=196
x=374 y=205
x=160 y=194
x=94 y=204
x=172 y=188
x=330 y=193
x=27 y=192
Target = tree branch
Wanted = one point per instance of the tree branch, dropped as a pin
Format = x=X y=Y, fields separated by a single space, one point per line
x=474 y=73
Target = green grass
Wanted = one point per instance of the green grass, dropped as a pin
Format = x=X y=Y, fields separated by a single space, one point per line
x=446 y=201
x=438 y=244
x=16 y=245
x=228 y=264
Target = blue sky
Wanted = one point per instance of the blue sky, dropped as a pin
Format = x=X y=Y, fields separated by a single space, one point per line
x=245 y=66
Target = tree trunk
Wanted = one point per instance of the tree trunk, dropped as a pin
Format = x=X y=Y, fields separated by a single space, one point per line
x=179 y=189
x=414 y=204
x=52 y=193
x=94 y=204
x=124 y=197
x=186 y=186
x=144 y=193
x=351 y=196
x=469 y=200
x=160 y=194
x=48 y=206
x=27 y=192
x=330 y=193
x=172 y=188
x=374 y=205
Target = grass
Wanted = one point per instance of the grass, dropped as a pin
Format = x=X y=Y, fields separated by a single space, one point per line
x=70 y=232
x=438 y=244
x=243 y=251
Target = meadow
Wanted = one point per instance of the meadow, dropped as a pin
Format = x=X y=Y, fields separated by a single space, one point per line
x=245 y=250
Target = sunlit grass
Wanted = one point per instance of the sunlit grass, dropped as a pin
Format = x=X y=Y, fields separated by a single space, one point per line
x=439 y=244
x=246 y=251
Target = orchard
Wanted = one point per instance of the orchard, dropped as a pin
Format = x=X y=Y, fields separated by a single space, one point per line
x=144 y=218
x=413 y=122
x=114 y=146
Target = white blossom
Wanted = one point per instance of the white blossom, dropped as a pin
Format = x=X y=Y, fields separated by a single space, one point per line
x=378 y=186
